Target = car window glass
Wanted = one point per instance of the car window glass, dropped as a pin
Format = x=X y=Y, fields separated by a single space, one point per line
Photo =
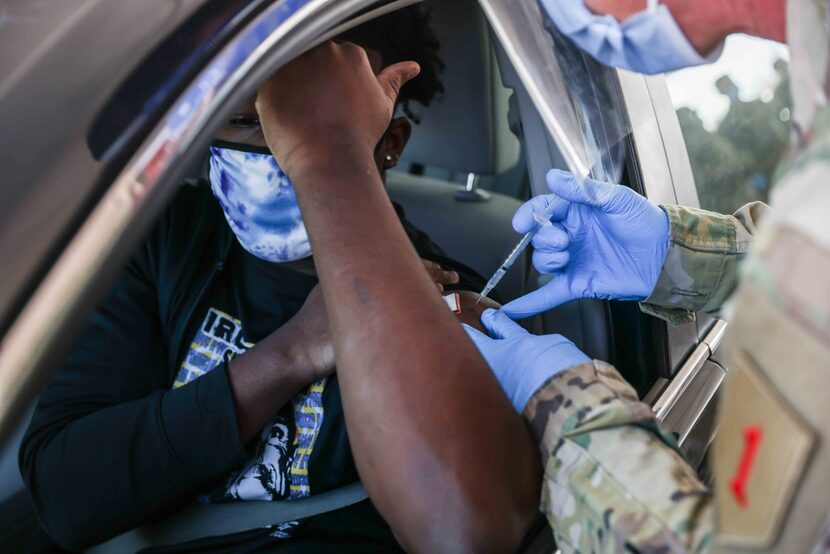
x=735 y=116
x=599 y=112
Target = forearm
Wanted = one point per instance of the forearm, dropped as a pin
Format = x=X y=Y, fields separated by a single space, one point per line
x=111 y=470
x=702 y=265
x=611 y=472
x=266 y=378
x=405 y=370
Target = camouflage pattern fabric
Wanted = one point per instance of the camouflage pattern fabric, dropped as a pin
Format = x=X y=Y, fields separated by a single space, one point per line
x=701 y=267
x=613 y=479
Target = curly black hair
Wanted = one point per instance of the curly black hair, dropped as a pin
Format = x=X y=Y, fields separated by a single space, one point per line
x=405 y=35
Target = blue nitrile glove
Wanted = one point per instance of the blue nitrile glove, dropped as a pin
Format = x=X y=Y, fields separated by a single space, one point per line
x=610 y=243
x=522 y=362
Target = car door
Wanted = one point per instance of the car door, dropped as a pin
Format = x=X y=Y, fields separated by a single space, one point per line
x=155 y=102
x=71 y=130
x=684 y=397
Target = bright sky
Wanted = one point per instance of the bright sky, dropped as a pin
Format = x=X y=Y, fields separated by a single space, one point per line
x=747 y=60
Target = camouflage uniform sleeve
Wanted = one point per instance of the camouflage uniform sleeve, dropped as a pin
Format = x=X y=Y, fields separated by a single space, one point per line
x=613 y=480
x=701 y=267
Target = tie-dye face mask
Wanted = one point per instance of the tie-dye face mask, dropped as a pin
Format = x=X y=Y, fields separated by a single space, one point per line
x=259 y=203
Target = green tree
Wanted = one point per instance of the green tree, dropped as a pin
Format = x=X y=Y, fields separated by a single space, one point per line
x=736 y=163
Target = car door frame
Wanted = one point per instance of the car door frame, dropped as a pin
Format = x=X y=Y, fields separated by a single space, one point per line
x=685 y=401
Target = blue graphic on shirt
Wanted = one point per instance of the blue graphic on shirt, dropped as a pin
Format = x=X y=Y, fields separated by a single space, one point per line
x=308 y=415
x=279 y=469
x=219 y=340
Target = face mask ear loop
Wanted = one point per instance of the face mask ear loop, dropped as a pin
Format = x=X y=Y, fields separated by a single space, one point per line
x=651 y=5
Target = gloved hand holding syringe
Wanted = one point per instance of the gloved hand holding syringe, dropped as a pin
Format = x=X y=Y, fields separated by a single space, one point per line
x=601 y=240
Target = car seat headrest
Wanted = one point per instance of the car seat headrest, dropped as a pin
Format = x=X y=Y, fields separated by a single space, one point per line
x=466 y=128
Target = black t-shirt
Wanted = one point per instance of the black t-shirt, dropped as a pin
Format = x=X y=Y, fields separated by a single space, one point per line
x=139 y=419
x=305 y=449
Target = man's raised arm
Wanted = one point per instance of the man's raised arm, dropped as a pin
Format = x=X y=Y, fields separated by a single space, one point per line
x=442 y=454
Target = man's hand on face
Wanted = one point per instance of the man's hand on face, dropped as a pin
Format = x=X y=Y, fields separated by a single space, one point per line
x=326 y=104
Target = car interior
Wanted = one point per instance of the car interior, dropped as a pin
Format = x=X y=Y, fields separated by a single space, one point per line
x=478 y=152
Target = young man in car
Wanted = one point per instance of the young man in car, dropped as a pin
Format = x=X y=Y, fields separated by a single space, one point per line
x=218 y=337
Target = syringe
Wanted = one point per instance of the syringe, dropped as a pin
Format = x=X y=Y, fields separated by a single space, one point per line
x=542 y=219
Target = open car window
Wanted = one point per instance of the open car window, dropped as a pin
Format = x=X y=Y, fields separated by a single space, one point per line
x=736 y=120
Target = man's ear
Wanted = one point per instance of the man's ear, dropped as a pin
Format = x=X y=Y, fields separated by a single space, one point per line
x=395 y=141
